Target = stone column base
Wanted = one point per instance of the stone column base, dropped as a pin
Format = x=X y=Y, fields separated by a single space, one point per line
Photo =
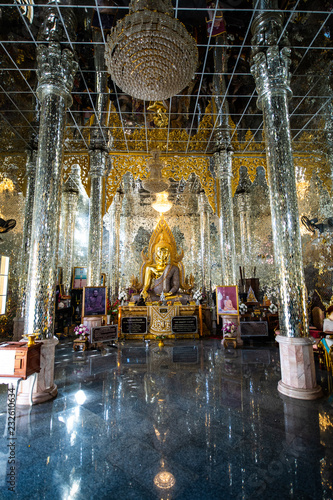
x=297 y=368
x=18 y=329
x=44 y=388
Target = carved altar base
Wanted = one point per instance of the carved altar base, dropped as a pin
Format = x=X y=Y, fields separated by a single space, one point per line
x=159 y=319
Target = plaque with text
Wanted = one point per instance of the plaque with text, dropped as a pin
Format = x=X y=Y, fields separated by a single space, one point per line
x=134 y=325
x=254 y=329
x=104 y=333
x=184 y=324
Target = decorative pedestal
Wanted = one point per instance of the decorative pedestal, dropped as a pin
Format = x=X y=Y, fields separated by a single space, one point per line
x=232 y=318
x=297 y=368
x=45 y=388
x=92 y=322
x=80 y=345
x=229 y=341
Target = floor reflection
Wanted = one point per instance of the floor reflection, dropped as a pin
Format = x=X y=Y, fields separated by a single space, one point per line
x=186 y=421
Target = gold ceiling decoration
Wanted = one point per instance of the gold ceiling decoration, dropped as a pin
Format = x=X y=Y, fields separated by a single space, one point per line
x=176 y=167
x=157 y=138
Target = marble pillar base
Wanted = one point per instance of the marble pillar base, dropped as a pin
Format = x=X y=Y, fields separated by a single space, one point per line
x=298 y=374
x=18 y=329
x=45 y=388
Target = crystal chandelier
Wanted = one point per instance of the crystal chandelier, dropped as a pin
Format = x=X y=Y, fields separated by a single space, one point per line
x=150 y=55
x=155 y=182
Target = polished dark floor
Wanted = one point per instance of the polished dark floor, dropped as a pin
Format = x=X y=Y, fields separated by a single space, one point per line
x=191 y=421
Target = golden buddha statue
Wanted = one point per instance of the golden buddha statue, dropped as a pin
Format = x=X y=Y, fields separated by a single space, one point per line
x=162 y=270
x=162 y=276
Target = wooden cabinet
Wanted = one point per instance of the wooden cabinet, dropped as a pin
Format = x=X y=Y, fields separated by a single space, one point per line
x=19 y=360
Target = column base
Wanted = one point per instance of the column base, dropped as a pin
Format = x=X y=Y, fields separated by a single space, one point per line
x=45 y=388
x=292 y=392
x=298 y=371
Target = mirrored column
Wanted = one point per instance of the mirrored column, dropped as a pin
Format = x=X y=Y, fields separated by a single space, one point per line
x=55 y=71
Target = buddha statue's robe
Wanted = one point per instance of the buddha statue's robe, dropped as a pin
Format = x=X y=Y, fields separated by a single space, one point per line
x=168 y=282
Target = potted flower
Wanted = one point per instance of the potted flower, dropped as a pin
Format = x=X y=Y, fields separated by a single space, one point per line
x=160 y=339
x=82 y=331
x=112 y=310
x=229 y=329
x=122 y=297
x=242 y=308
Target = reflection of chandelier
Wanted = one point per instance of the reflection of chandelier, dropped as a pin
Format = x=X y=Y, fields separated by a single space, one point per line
x=162 y=204
x=155 y=182
x=164 y=480
x=150 y=54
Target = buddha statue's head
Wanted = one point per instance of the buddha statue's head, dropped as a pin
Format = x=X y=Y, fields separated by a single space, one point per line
x=162 y=251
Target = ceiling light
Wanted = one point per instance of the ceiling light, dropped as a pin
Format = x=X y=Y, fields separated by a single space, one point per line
x=162 y=204
x=150 y=55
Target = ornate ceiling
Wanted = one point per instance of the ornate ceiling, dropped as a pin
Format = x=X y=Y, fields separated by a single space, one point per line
x=184 y=125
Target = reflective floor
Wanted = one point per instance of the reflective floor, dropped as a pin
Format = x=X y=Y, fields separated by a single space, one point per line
x=190 y=421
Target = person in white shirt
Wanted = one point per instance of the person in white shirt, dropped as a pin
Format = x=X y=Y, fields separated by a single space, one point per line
x=328 y=322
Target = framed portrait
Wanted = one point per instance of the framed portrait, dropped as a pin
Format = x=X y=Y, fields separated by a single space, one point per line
x=103 y=279
x=227 y=300
x=79 y=277
x=94 y=301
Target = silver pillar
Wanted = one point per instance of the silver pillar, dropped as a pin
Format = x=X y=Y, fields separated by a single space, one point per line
x=329 y=129
x=27 y=226
x=242 y=198
x=205 y=242
x=98 y=135
x=114 y=244
x=223 y=166
x=55 y=71
x=97 y=172
x=126 y=232
x=271 y=72
x=69 y=200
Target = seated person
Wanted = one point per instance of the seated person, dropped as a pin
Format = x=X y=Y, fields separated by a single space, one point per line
x=228 y=305
x=95 y=303
x=162 y=276
x=328 y=322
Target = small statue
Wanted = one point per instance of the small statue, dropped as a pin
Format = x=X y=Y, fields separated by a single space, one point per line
x=250 y=296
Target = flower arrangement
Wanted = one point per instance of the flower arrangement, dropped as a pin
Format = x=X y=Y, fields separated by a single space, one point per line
x=197 y=295
x=112 y=309
x=229 y=329
x=122 y=295
x=81 y=330
x=273 y=309
x=242 y=308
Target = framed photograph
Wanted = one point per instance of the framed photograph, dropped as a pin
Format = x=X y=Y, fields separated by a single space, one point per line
x=94 y=301
x=79 y=277
x=227 y=300
x=103 y=279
